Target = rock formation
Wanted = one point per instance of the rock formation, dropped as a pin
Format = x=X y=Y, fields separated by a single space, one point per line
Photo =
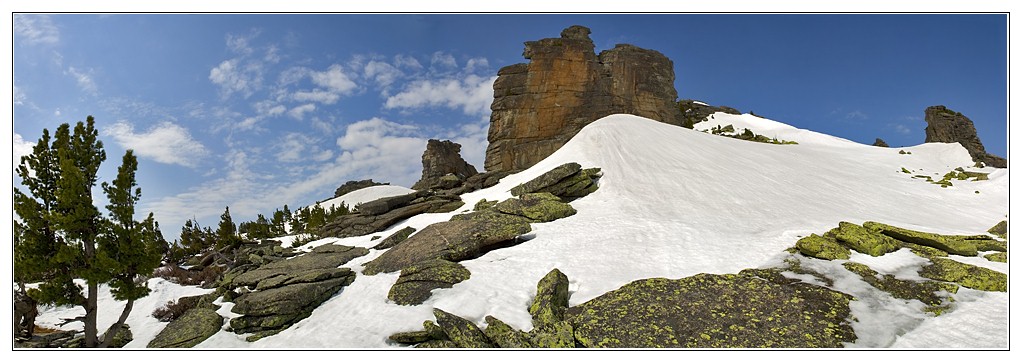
x=947 y=126
x=694 y=112
x=878 y=142
x=540 y=105
x=443 y=166
x=351 y=186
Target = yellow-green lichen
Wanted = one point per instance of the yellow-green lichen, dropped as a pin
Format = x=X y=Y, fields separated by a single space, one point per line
x=966 y=275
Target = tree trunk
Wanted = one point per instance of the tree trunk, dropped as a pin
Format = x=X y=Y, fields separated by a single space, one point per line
x=108 y=337
x=90 y=316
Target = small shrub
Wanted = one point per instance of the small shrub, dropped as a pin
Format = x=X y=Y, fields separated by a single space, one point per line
x=172 y=310
x=173 y=273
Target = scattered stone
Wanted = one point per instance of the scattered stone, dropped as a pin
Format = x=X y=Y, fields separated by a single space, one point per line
x=822 y=248
x=417 y=281
x=752 y=309
x=462 y=333
x=966 y=275
x=394 y=239
x=947 y=126
x=551 y=301
x=539 y=106
x=443 y=166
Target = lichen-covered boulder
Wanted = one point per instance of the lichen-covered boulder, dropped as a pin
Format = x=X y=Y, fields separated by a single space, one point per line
x=392 y=240
x=451 y=240
x=923 y=291
x=417 y=281
x=1001 y=257
x=504 y=336
x=989 y=245
x=1000 y=229
x=275 y=309
x=557 y=335
x=319 y=264
x=751 y=309
x=463 y=333
x=864 y=240
x=952 y=244
x=822 y=248
x=539 y=207
x=547 y=179
x=192 y=328
x=551 y=301
x=438 y=344
x=411 y=337
x=966 y=275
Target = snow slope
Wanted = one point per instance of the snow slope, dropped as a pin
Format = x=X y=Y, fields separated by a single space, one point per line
x=367 y=194
x=674 y=202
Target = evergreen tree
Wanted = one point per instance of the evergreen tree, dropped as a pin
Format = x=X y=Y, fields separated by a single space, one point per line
x=64 y=237
x=130 y=249
x=227 y=233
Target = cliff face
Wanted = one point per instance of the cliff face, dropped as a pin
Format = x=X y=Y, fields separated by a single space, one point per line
x=947 y=126
x=540 y=105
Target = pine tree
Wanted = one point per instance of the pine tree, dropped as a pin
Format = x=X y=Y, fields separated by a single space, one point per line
x=130 y=249
x=63 y=235
x=227 y=233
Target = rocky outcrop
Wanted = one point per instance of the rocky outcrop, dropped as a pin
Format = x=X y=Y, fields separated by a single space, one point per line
x=351 y=186
x=878 y=142
x=694 y=112
x=567 y=181
x=394 y=239
x=452 y=241
x=378 y=215
x=947 y=126
x=443 y=166
x=192 y=328
x=540 y=105
x=284 y=292
x=417 y=281
x=752 y=309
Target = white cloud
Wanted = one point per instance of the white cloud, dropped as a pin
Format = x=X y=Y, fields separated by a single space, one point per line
x=35 y=29
x=290 y=148
x=856 y=115
x=84 y=79
x=443 y=60
x=476 y=64
x=21 y=148
x=900 y=128
x=473 y=94
x=240 y=43
x=334 y=79
x=316 y=95
x=382 y=72
x=233 y=77
x=19 y=96
x=248 y=124
x=298 y=112
x=166 y=142
x=408 y=62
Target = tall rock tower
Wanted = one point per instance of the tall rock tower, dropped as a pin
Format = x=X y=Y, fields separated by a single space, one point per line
x=947 y=126
x=540 y=105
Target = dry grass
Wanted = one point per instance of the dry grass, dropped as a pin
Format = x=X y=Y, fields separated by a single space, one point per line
x=205 y=277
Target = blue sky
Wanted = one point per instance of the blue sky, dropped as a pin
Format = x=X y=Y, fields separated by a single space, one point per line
x=258 y=111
